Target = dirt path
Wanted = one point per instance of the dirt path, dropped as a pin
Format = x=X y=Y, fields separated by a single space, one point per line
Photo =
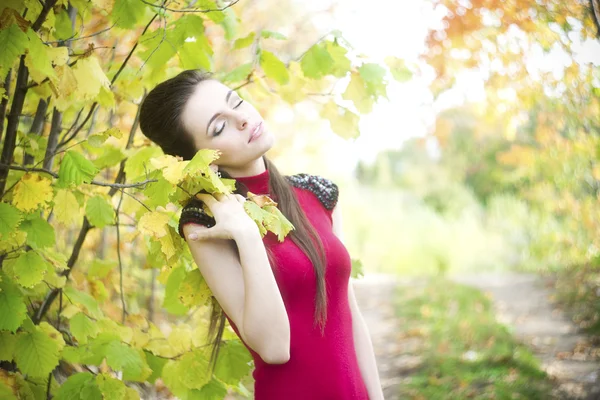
x=395 y=354
x=523 y=303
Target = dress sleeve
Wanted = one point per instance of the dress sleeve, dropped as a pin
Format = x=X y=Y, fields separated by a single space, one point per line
x=325 y=189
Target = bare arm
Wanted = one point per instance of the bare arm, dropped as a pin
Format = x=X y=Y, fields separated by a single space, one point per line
x=244 y=285
x=360 y=332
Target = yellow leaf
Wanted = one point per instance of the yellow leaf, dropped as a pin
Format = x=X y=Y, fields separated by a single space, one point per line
x=58 y=55
x=167 y=245
x=66 y=208
x=171 y=166
x=32 y=191
x=90 y=77
x=154 y=224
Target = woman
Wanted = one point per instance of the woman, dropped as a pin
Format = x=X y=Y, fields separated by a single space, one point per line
x=291 y=302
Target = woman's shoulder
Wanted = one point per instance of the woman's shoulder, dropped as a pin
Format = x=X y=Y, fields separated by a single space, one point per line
x=325 y=189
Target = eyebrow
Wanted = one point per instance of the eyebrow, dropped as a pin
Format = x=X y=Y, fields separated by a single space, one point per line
x=217 y=114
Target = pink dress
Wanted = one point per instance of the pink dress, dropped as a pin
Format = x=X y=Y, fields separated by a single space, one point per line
x=320 y=367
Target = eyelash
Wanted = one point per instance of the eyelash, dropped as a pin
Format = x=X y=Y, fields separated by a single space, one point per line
x=218 y=132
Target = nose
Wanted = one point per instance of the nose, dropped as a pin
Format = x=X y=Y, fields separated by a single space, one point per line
x=242 y=121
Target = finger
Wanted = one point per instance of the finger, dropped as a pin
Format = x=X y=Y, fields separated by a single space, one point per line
x=202 y=234
x=240 y=198
x=219 y=196
x=208 y=199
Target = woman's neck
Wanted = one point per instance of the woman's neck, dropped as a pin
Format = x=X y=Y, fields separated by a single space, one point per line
x=256 y=167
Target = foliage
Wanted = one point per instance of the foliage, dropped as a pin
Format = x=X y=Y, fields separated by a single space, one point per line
x=465 y=353
x=61 y=292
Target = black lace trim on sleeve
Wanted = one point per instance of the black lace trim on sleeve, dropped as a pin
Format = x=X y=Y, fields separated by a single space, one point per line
x=326 y=190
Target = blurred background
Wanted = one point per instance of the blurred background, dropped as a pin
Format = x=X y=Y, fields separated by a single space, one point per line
x=464 y=136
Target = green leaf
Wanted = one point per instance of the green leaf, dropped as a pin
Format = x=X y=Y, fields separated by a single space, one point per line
x=279 y=225
x=158 y=193
x=37 y=60
x=188 y=26
x=7 y=345
x=357 y=268
x=272 y=35
x=82 y=327
x=233 y=362
x=193 y=369
x=213 y=390
x=36 y=354
x=114 y=389
x=372 y=73
x=10 y=217
x=230 y=23
x=358 y=93
x=398 y=68
x=111 y=156
x=101 y=268
x=341 y=63
x=171 y=301
x=156 y=364
x=99 y=212
x=122 y=357
x=63 y=25
x=12 y=305
x=75 y=169
x=127 y=13
x=139 y=163
x=343 y=121
x=84 y=299
x=317 y=62
x=14 y=43
x=71 y=389
x=274 y=68
x=192 y=55
x=29 y=269
x=244 y=42
x=7 y=392
x=238 y=74
x=40 y=233
x=193 y=290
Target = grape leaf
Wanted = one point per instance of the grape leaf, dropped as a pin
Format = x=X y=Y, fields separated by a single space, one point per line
x=31 y=191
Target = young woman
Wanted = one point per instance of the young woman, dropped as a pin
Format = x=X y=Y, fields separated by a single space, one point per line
x=291 y=302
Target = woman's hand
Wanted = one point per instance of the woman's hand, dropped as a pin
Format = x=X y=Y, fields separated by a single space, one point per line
x=230 y=217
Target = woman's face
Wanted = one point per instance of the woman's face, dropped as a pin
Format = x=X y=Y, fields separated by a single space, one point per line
x=219 y=119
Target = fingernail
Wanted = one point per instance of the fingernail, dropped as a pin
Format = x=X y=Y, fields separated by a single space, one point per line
x=193 y=236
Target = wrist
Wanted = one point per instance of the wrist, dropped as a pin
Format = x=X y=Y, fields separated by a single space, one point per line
x=245 y=232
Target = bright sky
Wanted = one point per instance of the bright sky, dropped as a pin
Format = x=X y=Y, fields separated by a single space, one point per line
x=398 y=28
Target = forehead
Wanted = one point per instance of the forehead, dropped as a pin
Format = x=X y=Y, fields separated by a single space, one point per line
x=208 y=97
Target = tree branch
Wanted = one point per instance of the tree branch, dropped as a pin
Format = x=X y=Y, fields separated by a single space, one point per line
x=190 y=10
x=97 y=183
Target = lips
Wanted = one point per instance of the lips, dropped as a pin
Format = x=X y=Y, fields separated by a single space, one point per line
x=256 y=131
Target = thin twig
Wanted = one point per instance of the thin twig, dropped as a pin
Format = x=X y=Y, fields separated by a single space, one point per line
x=119 y=258
x=192 y=10
x=55 y=175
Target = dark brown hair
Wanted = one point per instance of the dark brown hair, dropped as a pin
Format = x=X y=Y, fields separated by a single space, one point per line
x=161 y=122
